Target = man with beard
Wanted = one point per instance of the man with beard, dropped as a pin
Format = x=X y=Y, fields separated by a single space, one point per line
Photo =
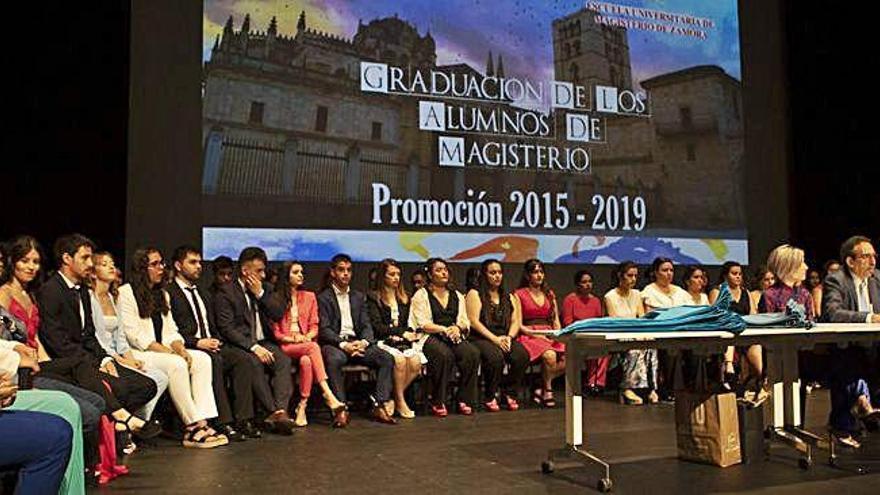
x=192 y=309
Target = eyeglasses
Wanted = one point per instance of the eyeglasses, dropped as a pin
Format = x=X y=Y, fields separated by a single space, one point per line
x=156 y=264
x=864 y=256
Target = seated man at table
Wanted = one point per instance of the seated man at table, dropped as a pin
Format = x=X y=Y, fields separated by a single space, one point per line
x=852 y=295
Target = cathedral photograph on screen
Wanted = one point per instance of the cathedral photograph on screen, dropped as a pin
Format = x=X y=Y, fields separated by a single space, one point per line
x=460 y=246
x=285 y=124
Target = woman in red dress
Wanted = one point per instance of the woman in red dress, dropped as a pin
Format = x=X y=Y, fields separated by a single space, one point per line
x=581 y=305
x=539 y=313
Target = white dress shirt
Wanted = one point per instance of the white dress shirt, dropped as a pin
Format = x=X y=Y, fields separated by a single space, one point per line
x=420 y=310
x=346 y=330
x=863 y=297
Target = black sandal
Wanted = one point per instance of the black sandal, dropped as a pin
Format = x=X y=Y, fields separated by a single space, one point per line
x=149 y=430
x=201 y=438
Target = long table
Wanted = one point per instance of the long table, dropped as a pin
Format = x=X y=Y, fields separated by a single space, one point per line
x=781 y=346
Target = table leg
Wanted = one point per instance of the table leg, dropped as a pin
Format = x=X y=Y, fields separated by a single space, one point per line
x=574 y=424
x=574 y=403
x=782 y=373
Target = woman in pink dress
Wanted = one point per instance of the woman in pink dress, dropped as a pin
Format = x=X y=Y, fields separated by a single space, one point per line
x=296 y=334
x=539 y=313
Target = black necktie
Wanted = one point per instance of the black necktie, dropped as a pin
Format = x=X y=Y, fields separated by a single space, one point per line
x=199 y=323
x=77 y=296
x=255 y=311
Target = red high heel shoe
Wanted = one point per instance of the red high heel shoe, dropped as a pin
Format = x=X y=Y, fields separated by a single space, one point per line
x=465 y=409
x=492 y=405
x=439 y=410
x=120 y=470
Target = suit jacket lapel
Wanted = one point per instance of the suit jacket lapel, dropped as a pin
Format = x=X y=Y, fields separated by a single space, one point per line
x=874 y=292
x=338 y=310
x=71 y=300
x=183 y=296
x=209 y=317
x=355 y=303
x=243 y=299
x=851 y=290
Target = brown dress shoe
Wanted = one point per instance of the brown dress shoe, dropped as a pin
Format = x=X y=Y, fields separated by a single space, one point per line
x=279 y=422
x=340 y=417
x=380 y=415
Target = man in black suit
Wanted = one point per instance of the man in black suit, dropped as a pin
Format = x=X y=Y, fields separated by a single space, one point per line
x=193 y=312
x=852 y=295
x=346 y=336
x=67 y=331
x=244 y=311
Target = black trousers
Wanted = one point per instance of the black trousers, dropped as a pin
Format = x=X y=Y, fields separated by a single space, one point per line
x=493 y=359
x=442 y=358
x=234 y=363
x=375 y=358
x=272 y=383
x=130 y=390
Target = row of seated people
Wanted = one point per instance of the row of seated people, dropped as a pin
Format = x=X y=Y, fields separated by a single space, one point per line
x=114 y=350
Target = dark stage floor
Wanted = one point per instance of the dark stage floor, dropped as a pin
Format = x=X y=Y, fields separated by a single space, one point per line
x=487 y=453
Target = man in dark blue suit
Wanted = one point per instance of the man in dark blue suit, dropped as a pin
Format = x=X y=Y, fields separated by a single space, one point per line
x=346 y=337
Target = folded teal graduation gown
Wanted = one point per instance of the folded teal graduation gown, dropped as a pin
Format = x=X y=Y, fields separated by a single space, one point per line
x=795 y=316
x=694 y=318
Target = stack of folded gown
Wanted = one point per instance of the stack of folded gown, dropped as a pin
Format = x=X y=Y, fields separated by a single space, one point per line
x=692 y=318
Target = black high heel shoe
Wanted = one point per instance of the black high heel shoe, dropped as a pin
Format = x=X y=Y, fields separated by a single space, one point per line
x=149 y=430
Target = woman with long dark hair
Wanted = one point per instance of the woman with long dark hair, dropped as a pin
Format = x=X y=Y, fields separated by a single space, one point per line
x=639 y=365
x=740 y=303
x=494 y=317
x=539 y=313
x=76 y=375
x=16 y=285
x=16 y=296
x=388 y=306
x=105 y=314
x=694 y=282
x=763 y=280
x=145 y=317
x=297 y=333
x=582 y=304
x=439 y=310
x=813 y=283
